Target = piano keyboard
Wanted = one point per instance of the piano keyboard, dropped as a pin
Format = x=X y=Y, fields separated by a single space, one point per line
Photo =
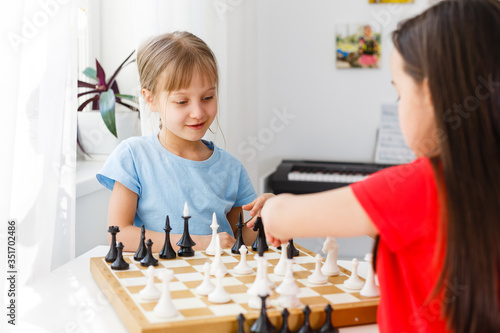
x=328 y=177
x=299 y=177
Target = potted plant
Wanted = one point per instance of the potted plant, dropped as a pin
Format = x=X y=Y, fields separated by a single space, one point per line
x=104 y=96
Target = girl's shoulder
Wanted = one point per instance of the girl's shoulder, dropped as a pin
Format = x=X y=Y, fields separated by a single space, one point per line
x=224 y=155
x=141 y=143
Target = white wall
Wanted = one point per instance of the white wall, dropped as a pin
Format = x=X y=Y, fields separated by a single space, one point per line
x=336 y=110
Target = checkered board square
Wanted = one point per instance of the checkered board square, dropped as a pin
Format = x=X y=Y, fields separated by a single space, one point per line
x=198 y=314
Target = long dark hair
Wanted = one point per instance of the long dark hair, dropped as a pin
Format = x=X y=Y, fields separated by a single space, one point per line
x=455 y=45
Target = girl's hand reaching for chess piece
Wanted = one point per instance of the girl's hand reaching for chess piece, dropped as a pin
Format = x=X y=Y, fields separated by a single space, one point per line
x=255 y=207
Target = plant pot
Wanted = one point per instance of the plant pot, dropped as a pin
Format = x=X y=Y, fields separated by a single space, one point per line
x=97 y=140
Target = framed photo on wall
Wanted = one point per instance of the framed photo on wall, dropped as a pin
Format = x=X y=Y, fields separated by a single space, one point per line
x=358 y=46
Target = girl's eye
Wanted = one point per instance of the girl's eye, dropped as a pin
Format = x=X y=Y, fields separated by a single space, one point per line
x=181 y=102
x=208 y=98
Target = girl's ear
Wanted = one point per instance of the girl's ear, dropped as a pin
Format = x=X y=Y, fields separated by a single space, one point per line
x=149 y=98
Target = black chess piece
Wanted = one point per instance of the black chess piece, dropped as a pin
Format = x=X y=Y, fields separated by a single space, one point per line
x=295 y=251
x=284 y=326
x=167 y=252
x=261 y=236
x=241 y=323
x=263 y=324
x=141 y=250
x=306 y=326
x=239 y=236
x=289 y=249
x=327 y=326
x=119 y=264
x=112 y=254
x=149 y=260
x=186 y=243
x=260 y=249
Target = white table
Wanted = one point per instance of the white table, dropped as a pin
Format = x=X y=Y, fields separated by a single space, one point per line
x=69 y=300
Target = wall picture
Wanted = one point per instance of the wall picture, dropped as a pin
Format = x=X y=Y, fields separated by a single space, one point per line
x=358 y=46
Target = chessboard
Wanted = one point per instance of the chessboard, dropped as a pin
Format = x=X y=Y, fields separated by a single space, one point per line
x=197 y=314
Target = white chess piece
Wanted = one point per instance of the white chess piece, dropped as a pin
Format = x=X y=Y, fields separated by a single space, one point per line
x=206 y=287
x=165 y=307
x=265 y=275
x=370 y=289
x=219 y=294
x=150 y=292
x=215 y=226
x=330 y=247
x=354 y=282
x=217 y=263
x=317 y=277
x=243 y=268
x=288 y=289
x=280 y=268
x=260 y=284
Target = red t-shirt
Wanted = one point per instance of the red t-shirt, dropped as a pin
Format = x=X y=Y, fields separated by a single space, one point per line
x=402 y=202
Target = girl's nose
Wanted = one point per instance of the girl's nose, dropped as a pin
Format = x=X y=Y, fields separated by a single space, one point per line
x=197 y=111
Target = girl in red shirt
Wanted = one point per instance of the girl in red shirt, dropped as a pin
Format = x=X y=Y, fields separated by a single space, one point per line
x=438 y=218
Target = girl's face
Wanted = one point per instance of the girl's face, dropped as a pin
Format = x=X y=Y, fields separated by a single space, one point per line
x=188 y=113
x=416 y=112
x=368 y=31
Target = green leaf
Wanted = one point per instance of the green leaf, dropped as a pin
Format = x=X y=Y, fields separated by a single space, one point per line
x=129 y=97
x=91 y=73
x=107 y=107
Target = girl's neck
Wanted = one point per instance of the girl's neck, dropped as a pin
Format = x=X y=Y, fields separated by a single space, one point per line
x=191 y=150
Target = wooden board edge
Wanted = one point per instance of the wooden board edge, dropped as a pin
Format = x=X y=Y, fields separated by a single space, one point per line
x=125 y=308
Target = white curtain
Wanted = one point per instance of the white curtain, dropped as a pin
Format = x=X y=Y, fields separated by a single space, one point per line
x=37 y=141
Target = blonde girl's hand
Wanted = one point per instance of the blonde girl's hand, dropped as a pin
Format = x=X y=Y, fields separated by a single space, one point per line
x=202 y=242
x=226 y=241
x=255 y=207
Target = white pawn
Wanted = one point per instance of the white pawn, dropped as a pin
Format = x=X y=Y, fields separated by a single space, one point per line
x=330 y=247
x=280 y=268
x=354 y=282
x=219 y=294
x=265 y=275
x=370 y=289
x=243 y=268
x=215 y=226
x=165 y=307
x=217 y=263
x=259 y=287
x=288 y=289
x=206 y=287
x=150 y=292
x=317 y=277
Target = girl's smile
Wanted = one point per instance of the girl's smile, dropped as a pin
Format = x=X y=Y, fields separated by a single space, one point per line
x=198 y=126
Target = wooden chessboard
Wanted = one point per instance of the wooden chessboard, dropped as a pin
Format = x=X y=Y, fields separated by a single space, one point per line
x=197 y=314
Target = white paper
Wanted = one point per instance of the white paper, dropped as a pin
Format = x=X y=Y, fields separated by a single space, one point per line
x=391 y=146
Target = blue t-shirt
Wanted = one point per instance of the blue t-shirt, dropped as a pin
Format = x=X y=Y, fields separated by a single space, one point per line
x=165 y=181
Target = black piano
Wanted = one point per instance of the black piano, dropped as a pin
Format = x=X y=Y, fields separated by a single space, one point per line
x=299 y=177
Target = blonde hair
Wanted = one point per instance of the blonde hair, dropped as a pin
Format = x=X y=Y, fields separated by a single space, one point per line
x=171 y=60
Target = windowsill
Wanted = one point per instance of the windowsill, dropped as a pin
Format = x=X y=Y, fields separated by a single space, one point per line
x=86 y=182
